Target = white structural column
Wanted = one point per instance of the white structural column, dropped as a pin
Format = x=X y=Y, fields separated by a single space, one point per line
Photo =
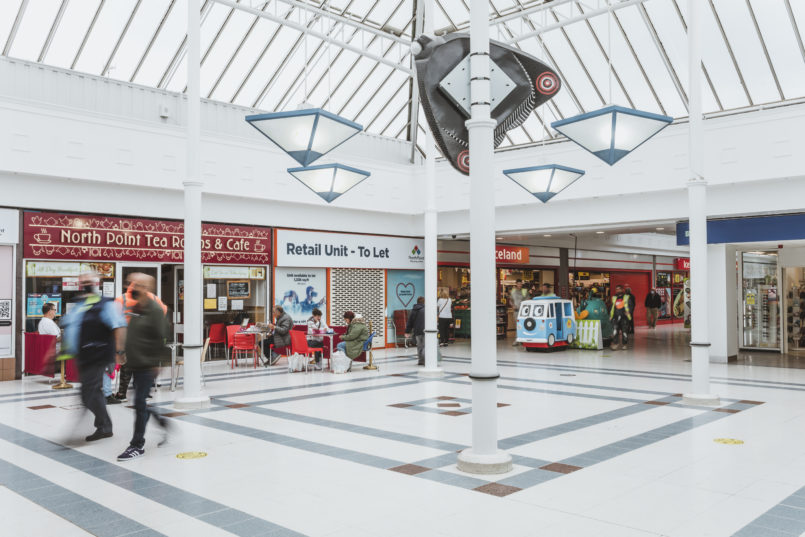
x=722 y=295
x=432 y=368
x=697 y=206
x=192 y=395
x=483 y=457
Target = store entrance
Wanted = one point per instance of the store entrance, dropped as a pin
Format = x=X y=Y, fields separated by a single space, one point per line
x=127 y=270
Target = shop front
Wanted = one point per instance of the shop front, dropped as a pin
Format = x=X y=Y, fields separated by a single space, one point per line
x=58 y=248
x=512 y=263
x=9 y=237
x=379 y=277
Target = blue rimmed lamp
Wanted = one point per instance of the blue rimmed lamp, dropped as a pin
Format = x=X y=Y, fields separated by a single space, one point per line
x=329 y=180
x=612 y=132
x=305 y=134
x=544 y=182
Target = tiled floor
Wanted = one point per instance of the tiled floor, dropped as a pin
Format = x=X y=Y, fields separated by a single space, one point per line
x=602 y=445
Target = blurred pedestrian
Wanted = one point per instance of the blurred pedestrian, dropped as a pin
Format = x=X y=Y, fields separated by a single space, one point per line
x=94 y=331
x=127 y=303
x=652 y=304
x=145 y=349
x=416 y=326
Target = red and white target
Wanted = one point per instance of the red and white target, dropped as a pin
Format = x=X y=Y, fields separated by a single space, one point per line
x=547 y=83
x=463 y=161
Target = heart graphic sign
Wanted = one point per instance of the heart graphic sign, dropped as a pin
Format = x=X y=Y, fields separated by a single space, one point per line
x=405 y=293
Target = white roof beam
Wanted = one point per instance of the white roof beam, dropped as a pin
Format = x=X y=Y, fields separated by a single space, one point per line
x=304 y=29
x=16 y=26
x=53 y=28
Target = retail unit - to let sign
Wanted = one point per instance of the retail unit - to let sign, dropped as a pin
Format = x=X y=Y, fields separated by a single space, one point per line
x=315 y=249
x=108 y=238
x=511 y=254
x=682 y=263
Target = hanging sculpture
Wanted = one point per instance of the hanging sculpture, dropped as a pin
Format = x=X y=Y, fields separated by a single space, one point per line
x=519 y=83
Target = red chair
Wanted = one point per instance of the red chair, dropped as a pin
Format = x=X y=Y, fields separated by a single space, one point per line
x=299 y=345
x=231 y=330
x=217 y=335
x=243 y=344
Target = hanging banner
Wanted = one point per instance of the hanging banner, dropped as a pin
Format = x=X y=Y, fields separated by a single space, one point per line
x=110 y=238
x=299 y=290
x=343 y=250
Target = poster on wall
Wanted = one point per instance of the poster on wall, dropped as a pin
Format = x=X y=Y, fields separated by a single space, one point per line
x=665 y=302
x=35 y=302
x=402 y=290
x=299 y=290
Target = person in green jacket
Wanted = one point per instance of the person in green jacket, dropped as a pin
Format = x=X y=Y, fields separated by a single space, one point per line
x=145 y=350
x=352 y=342
x=596 y=310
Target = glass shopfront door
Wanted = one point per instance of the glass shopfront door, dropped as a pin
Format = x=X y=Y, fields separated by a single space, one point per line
x=760 y=303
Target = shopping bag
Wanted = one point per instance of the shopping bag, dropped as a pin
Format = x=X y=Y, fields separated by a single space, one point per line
x=296 y=362
x=341 y=362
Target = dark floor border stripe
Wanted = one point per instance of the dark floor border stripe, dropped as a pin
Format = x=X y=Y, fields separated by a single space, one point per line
x=787 y=518
x=209 y=511
x=678 y=377
x=87 y=514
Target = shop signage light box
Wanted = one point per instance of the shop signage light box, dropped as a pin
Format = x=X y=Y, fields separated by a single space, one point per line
x=66 y=236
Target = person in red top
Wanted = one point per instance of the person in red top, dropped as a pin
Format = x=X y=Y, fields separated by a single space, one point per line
x=127 y=303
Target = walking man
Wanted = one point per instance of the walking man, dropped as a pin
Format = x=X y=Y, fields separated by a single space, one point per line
x=94 y=331
x=145 y=349
x=621 y=317
x=653 y=304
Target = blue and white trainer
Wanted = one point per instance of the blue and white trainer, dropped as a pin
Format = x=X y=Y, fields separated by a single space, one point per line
x=131 y=453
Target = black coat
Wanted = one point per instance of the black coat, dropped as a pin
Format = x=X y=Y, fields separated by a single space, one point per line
x=653 y=301
x=416 y=320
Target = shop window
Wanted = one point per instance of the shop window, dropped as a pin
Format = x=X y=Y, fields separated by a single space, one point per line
x=57 y=283
x=234 y=294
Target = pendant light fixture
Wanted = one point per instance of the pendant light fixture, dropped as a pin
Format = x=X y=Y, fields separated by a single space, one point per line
x=544 y=182
x=612 y=132
x=305 y=134
x=329 y=181
x=309 y=133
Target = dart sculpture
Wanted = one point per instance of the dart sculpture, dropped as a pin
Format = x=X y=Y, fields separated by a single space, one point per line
x=519 y=82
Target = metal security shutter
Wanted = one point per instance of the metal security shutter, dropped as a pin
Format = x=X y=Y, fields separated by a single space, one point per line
x=360 y=291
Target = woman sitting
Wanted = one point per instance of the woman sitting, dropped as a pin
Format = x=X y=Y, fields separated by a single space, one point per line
x=316 y=326
x=352 y=342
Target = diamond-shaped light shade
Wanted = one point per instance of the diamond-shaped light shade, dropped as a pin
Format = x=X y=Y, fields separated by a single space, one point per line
x=612 y=132
x=544 y=182
x=305 y=134
x=329 y=180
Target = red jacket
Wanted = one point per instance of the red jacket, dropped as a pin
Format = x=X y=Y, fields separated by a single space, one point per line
x=127 y=302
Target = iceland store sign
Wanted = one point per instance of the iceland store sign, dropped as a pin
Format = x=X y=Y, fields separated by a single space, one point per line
x=343 y=250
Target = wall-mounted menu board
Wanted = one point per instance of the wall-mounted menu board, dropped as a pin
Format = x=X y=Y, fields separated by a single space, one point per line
x=238 y=289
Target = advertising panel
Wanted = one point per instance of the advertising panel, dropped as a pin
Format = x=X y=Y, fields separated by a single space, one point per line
x=343 y=250
x=299 y=290
x=65 y=236
x=511 y=254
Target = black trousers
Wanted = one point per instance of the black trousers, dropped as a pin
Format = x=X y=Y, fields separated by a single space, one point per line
x=91 y=376
x=143 y=381
x=444 y=330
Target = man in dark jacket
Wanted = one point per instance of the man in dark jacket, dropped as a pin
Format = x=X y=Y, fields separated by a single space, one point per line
x=653 y=304
x=279 y=338
x=416 y=326
x=93 y=329
x=145 y=349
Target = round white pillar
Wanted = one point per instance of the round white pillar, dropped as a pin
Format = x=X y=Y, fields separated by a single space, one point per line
x=192 y=394
x=483 y=457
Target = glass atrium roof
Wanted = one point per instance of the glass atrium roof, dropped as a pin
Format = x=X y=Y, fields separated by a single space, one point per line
x=352 y=57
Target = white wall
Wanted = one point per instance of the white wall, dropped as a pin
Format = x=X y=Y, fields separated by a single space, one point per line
x=722 y=297
x=106 y=135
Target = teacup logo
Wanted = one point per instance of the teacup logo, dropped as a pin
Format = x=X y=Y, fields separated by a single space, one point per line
x=43 y=237
x=405 y=293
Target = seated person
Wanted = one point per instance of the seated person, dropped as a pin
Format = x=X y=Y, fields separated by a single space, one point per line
x=280 y=336
x=47 y=326
x=315 y=325
x=352 y=342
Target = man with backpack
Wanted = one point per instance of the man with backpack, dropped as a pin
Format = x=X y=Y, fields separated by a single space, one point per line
x=95 y=333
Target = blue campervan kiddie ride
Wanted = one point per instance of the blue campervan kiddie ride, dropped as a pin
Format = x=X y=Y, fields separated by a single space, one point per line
x=546 y=322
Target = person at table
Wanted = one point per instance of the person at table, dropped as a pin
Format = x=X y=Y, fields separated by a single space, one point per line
x=280 y=335
x=315 y=326
x=47 y=326
x=352 y=342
